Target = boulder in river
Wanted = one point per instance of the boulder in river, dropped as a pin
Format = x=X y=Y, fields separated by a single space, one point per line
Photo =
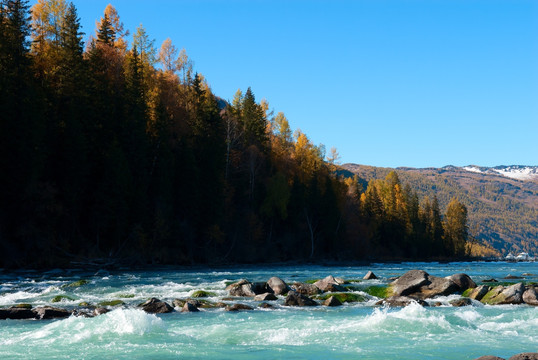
x=463 y=281
x=100 y=311
x=156 y=306
x=17 y=313
x=329 y=284
x=530 y=296
x=48 y=312
x=421 y=285
x=189 y=307
x=241 y=288
x=296 y=299
x=305 y=289
x=369 y=276
x=265 y=297
x=278 y=285
x=489 y=357
x=332 y=301
x=477 y=293
x=505 y=295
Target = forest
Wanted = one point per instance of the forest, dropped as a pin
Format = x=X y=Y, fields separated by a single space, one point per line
x=116 y=151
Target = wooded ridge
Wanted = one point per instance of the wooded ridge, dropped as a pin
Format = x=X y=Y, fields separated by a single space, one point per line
x=115 y=150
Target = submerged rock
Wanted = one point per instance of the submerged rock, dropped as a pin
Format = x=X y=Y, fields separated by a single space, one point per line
x=277 y=285
x=237 y=307
x=489 y=357
x=156 y=306
x=202 y=294
x=296 y=299
x=530 y=296
x=369 y=276
x=400 y=301
x=265 y=305
x=305 y=289
x=461 y=302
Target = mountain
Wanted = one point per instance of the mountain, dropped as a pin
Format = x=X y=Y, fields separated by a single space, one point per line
x=502 y=201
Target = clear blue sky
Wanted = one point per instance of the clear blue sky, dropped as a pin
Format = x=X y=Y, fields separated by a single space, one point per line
x=389 y=83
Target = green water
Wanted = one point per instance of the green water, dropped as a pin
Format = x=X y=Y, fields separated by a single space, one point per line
x=353 y=331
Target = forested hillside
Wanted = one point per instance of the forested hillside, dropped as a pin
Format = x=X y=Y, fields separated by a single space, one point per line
x=503 y=211
x=116 y=151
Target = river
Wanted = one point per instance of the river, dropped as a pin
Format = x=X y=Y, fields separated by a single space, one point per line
x=358 y=331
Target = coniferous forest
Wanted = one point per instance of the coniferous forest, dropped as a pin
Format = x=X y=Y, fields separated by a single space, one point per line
x=115 y=150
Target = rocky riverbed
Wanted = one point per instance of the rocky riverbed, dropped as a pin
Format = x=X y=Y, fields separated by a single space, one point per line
x=415 y=286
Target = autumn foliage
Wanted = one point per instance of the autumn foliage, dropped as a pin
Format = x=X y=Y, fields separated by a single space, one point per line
x=113 y=149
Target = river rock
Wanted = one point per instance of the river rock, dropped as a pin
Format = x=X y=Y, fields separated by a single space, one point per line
x=189 y=307
x=489 y=357
x=332 y=301
x=512 y=277
x=525 y=356
x=329 y=284
x=265 y=305
x=48 y=312
x=156 y=306
x=265 y=297
x=478 y=292
x=409 y=283
x=461 y=302
x=505 y=295
x=296 y=299
x=237 y=307
x=530 y=296
x=17 y=313
x=369 y=276
x=100 y=311
x=421 y=285
x=463 y=281
x=241 y=288
x=341 y=280
x=277 y=285
x=400 y=301
x=261 y=288
x=306 y=289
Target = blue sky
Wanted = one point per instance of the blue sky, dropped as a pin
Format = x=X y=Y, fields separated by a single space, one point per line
x=389 y=83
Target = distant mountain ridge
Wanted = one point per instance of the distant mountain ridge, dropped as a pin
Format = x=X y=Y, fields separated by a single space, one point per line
x=519 y=172
x=502 y=201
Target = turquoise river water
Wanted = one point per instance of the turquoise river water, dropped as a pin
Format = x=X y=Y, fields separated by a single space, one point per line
x=352 y=331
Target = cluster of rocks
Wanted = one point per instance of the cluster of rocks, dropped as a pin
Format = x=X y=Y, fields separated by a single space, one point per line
x=522 y=356
x=414 y=286
x=418 y=285
x=46 y=312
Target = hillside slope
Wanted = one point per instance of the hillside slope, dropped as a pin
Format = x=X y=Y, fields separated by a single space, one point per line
x=503 y=207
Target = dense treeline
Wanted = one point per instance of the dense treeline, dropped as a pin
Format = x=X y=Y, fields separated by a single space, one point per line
x=503 y=212
x=111 y=150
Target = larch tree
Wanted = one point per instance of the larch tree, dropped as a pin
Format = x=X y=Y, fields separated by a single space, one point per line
x=456 y=231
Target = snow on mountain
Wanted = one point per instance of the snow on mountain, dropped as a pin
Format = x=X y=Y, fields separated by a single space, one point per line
x=518 y=172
